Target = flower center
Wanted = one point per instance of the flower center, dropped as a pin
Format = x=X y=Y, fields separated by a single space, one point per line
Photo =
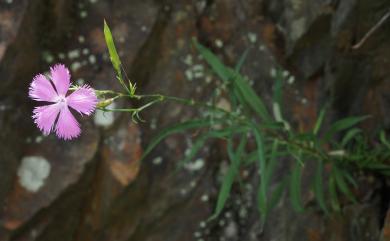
x=61 y=99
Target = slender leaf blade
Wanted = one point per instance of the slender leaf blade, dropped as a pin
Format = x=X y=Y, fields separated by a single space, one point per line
x=227 y=74
x=295 y=187
x=341 y=184
x=227 y=182
x=262 y=193
x=251 y=98
x=241 y=61
x=352 y=133
x=343 y=124
x=197 y=123
x=318 y=186
x=319 y=120
x=115 y=60
x=218 y=67
x=334 y=200
x=277 y=194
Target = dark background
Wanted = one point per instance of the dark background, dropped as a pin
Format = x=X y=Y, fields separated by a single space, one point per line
x=96 y=189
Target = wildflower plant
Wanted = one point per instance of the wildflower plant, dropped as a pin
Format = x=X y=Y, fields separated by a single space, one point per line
x=275 y=139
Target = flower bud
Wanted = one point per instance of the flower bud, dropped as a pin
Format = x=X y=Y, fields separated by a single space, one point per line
x=105 y=103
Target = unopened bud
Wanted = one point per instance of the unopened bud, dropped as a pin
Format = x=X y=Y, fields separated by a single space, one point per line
x=105 y=103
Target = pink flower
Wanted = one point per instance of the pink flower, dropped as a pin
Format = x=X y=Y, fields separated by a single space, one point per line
x=56 y=116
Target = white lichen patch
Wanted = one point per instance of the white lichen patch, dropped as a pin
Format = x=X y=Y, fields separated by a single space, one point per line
x=208 y=79
x=228 y=215
x=272 y=72
x=38 y=139
x=193 y=184
x=183 y=191
x=188 y=60
x=198 y=68
x=33 y=172
x=243 y=213
x=157 y=161
x=189 y=75
x=218 y=43
x=75 y=66
x=224 y=104
x=201 y=5
x=297 y=4
x=204 y=198
x=231 y=230
x=197 y=234
x=195 y=71
x=73 y=54
x=85 y=51
x=252 y=37
x=81 y=39
x=104 y=119
x=83 y=14
x=202 y=224
x=92 y=59
x=291 y=80
x=262 y=48
x=196 y=165
x=153 y=124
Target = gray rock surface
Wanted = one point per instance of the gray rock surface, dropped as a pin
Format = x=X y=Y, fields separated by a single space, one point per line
x=95 y=188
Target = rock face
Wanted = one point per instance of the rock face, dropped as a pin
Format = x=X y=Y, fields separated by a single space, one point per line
x=95 y=188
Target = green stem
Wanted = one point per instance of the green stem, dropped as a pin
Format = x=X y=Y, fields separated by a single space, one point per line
x=160 y=98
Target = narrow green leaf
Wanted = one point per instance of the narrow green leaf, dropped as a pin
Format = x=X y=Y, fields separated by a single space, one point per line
x=111 y=49
x=319 y=120
x=341 y=184
x=227 y=74
x=198 y=123
x=334 y=200
x=218 y=67
x=277 y=96
x=378 y=166
x=382 y=137
x=235 y=96
x=349 y=178
x=295 y=187
x=350 y=135
x=253 y=156
x=272 y=161
x=342 y=125
x=241 y=147
x=228 y=181
x=305 y=137
x=195 y=148
x=241 y=61
x=262 y=193
x=200 y=141
x=251 y=98
x=318 y=186
x=115 y=60
x=277 y=194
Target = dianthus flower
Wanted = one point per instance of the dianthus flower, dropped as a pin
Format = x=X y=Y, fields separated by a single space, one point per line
x=56 y=116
